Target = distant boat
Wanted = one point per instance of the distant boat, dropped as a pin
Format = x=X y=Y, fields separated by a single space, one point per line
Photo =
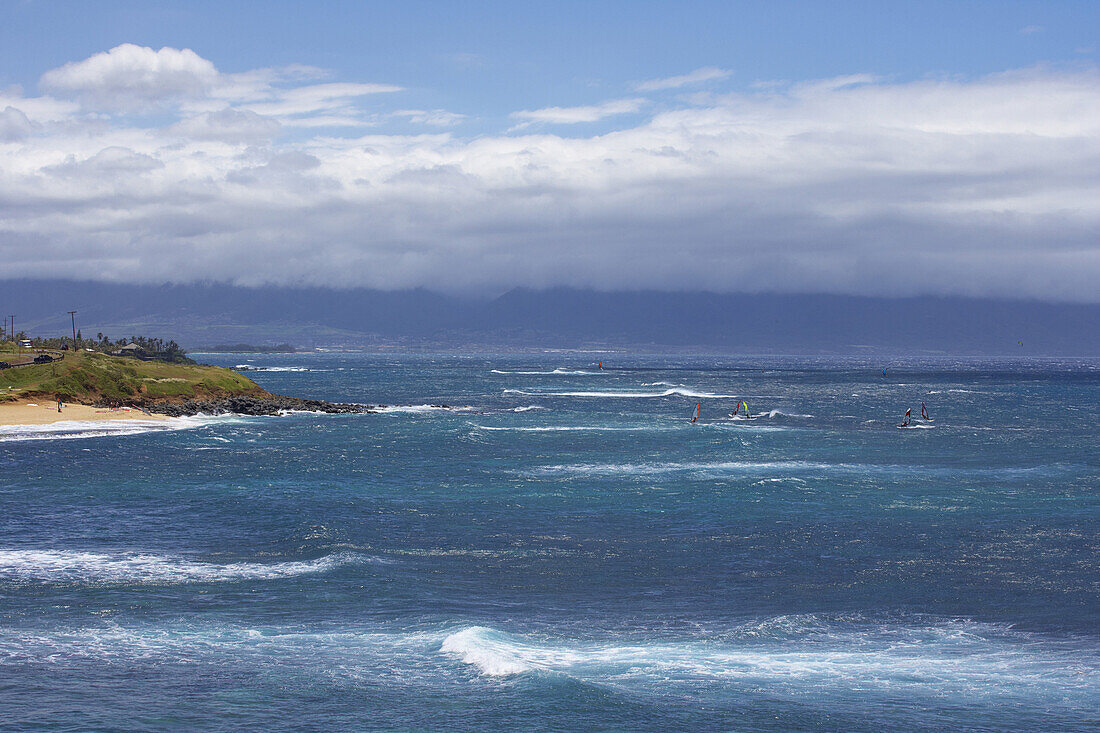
x=695 y=413
x=924 y=413
x=908 y=419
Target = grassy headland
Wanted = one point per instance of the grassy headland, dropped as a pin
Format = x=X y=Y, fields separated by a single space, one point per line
x=97 y=378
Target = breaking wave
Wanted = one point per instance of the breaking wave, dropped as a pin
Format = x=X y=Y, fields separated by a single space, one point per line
x=418 y=408
x=250 y=368
x=681 y=391
x=733 y=467
x=70 y=429
x=935 y=657
x=136 y=568
x=565 y=429
x=779 y=413
x=550 y=372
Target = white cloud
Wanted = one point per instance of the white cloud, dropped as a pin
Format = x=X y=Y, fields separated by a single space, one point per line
x=988 y=186
x=1028 y=30
x=14 y=124
x=430 y=117
x=130 y=77
x=707 y=73
x=227 y=125
x=327 y=98
x=574 y=115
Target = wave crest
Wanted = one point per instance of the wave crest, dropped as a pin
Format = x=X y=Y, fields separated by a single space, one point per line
x=135 y=568
x=675 y=391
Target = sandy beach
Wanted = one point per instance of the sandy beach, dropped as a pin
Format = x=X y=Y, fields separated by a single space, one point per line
x=45 y=413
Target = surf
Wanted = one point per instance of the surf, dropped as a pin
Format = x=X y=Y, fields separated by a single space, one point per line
x=803 y=653
x=672 y=392
x=138 y=568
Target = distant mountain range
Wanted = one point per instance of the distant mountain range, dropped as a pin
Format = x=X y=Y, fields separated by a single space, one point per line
x=207 y=315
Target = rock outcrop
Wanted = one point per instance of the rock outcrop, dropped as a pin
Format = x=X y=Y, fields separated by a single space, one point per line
x=245 y=405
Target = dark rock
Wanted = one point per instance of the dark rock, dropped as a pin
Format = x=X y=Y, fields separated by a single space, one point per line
x=244 y=405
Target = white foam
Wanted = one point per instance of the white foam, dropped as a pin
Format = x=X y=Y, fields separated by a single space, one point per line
x=681 y=391
x=564 y=429
x=417 y=409
x=776 y=413
x=72 y=566
x=250 y=368
x=492 y=652
x=69 y=429
x=551 y=372
x=715 y=466
x=528 y=408
x=959 y=656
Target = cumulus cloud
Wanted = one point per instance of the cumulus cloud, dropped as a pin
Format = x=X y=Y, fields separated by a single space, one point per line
x=14 y=124
x=574 y=115
x=131 y=77
x=707 y=73
x=987 y=186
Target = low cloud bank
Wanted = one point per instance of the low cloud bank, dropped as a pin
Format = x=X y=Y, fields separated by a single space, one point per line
x=154 y=166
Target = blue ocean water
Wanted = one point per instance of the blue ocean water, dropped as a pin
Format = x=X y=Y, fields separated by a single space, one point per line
x=566 y=551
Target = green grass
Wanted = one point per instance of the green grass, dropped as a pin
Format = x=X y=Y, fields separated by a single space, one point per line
x=92 y=378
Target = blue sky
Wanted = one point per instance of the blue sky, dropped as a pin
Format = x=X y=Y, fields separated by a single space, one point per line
x=487 y=59
x=869 y=148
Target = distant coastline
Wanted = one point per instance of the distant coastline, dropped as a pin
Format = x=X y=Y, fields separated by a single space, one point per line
x=245 y=349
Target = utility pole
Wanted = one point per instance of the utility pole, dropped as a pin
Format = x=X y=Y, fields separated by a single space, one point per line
x=12 y=317
x=72 y=315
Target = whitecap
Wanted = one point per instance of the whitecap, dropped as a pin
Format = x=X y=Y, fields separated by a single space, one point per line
x=137 y=568
x=570 y=372
x=791 y=651
x=70 y=429
x=675 y=391
x=419 y=409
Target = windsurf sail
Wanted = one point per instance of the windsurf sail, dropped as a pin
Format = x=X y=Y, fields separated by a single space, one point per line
x=695 y=414
x=924 y=412
x=908 y=417
x=745 y=405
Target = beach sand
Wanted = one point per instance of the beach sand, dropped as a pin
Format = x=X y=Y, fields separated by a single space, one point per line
x=44 y=413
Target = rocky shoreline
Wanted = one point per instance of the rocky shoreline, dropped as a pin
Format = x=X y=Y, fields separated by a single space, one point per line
x=244 y=405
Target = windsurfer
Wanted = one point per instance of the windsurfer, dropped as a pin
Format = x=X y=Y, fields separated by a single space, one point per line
x=908 y=418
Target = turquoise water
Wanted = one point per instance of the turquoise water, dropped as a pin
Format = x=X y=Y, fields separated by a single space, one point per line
x=565 y=551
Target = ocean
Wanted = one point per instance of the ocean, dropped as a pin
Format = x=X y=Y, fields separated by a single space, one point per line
x=562 y=549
